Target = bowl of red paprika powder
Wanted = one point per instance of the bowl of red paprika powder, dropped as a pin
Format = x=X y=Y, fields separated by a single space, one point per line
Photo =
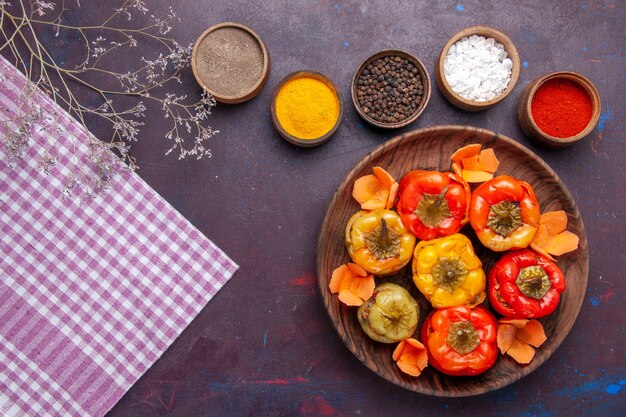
x=559 y=109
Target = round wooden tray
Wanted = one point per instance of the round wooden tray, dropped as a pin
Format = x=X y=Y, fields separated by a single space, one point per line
x=431 y=148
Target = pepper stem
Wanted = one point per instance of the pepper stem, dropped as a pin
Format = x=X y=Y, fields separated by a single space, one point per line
x=504 y=217
x=463 y=337
x=383 y=242
x=533 y=282
x=383 y=230
x=449 y=273
x=441 y=196
x=433 y=209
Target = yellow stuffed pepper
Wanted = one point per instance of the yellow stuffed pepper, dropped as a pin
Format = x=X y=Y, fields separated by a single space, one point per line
x=448 y=272
x=378 y=242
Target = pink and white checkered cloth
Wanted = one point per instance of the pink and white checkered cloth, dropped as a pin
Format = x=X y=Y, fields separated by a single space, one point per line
x=90 y=295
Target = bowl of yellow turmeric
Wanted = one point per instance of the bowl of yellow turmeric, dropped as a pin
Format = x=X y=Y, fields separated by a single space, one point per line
x=306 y=108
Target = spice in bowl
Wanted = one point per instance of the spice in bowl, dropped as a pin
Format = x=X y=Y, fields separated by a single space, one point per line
x=561 y=108
x=477 y=68
x=231 y=62
x=306 y=108
x=390 y=89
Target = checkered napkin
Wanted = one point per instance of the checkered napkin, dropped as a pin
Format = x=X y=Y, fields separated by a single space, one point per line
x=90 y=295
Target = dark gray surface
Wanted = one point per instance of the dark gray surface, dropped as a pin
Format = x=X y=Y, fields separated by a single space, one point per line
x=264 y=345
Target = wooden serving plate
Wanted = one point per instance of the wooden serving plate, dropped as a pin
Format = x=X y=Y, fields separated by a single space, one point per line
x=431 y=148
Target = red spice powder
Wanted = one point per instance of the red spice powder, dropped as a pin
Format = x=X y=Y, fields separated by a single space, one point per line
x=561 y=108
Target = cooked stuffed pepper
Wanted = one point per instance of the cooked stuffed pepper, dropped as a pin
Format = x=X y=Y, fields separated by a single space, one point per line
x=448 y=272
x=433 y=204
x=461 y=340
x=390 y=315
x=504 y=212
x=378 y=242
x=524 y=284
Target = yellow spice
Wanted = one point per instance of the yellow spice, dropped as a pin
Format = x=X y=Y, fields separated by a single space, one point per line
x=307 y=108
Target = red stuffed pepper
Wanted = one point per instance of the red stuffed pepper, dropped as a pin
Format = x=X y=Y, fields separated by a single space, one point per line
x=461 y=340
x=504 y=212
x=524 y=284
x=433 y=204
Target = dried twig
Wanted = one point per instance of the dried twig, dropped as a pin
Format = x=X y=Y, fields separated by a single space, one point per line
x=21 y=28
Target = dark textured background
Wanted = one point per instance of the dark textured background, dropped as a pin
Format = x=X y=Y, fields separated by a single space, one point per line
x=264 y=345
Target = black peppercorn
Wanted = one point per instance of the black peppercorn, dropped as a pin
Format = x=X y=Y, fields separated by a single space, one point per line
x=389 y=89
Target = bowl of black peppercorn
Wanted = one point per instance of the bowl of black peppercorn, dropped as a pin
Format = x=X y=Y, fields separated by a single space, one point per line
x=390 y=89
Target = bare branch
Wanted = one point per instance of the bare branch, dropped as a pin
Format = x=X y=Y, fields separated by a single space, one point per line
x=21 y=33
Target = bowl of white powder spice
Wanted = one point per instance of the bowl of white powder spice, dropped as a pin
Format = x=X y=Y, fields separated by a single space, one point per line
x=477 y=68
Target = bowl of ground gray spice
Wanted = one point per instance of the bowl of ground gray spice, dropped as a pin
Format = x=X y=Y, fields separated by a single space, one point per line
x=477 y=68
x=230 y=61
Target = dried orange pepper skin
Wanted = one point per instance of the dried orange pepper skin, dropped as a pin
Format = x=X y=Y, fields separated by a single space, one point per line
x=506 y=297
x=443 y=357
x=500 y=189
x=412 y=189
